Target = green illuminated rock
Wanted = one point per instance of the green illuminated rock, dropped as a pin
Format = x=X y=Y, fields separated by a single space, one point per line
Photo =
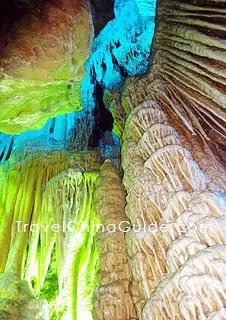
x=28 y=104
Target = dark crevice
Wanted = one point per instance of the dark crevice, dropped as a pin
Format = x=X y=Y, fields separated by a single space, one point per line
x=51 y=130
x=10 y=150
x=103 y=118
x=2 y=155
x=102 y=12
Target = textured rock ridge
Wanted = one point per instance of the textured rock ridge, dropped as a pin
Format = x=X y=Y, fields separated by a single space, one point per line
x=112 y=300
x=177 y=244
x=187 y=75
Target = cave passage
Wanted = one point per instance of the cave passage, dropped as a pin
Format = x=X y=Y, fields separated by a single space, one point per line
x=102 y=12
x=103 y=119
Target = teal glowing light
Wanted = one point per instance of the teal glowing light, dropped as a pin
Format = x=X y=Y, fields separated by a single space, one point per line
x=123 y=47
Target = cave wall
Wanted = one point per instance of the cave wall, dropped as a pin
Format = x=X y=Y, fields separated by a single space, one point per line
x=176 y=107
x=45 y=41
x=177 y=241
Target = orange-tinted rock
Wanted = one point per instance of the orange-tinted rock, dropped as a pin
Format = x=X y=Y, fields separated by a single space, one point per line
x=50 y=42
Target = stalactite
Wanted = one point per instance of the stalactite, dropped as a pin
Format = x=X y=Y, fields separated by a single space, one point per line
x=39 y=193
x=122 y=48
x=112 y=300
x=70 y=132
x=67 y=201
x=176 y=246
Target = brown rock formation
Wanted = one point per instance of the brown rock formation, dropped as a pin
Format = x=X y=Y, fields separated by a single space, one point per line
x=44 y=46
x=177 y=243
x=46 y=41
x=112 y=300
x=187 y=77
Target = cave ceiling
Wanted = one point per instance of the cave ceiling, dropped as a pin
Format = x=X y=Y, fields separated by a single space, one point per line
x=44 y=45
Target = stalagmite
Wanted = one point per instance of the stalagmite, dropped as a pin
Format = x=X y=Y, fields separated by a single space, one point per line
x=112 y=300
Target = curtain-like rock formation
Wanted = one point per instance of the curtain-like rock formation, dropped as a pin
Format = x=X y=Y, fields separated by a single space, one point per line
x=177 y=206
x=177 y=244
x=187 y=77
x=67 y=202
x=46 y=220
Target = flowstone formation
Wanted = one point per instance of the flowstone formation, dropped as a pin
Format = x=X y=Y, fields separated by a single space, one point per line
x=188 y=79
x=176 y=246
x=115 y=211
x=176 y=205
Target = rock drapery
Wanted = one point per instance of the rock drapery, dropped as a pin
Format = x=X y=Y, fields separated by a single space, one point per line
x=179 y=268
x=177 y=245
x=38 y=193
x=187 y=75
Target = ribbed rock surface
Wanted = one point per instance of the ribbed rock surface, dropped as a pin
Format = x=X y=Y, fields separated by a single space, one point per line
x=187 y=76
x=177 y=244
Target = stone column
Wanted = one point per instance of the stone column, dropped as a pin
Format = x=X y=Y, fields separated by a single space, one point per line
x=112 y=300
